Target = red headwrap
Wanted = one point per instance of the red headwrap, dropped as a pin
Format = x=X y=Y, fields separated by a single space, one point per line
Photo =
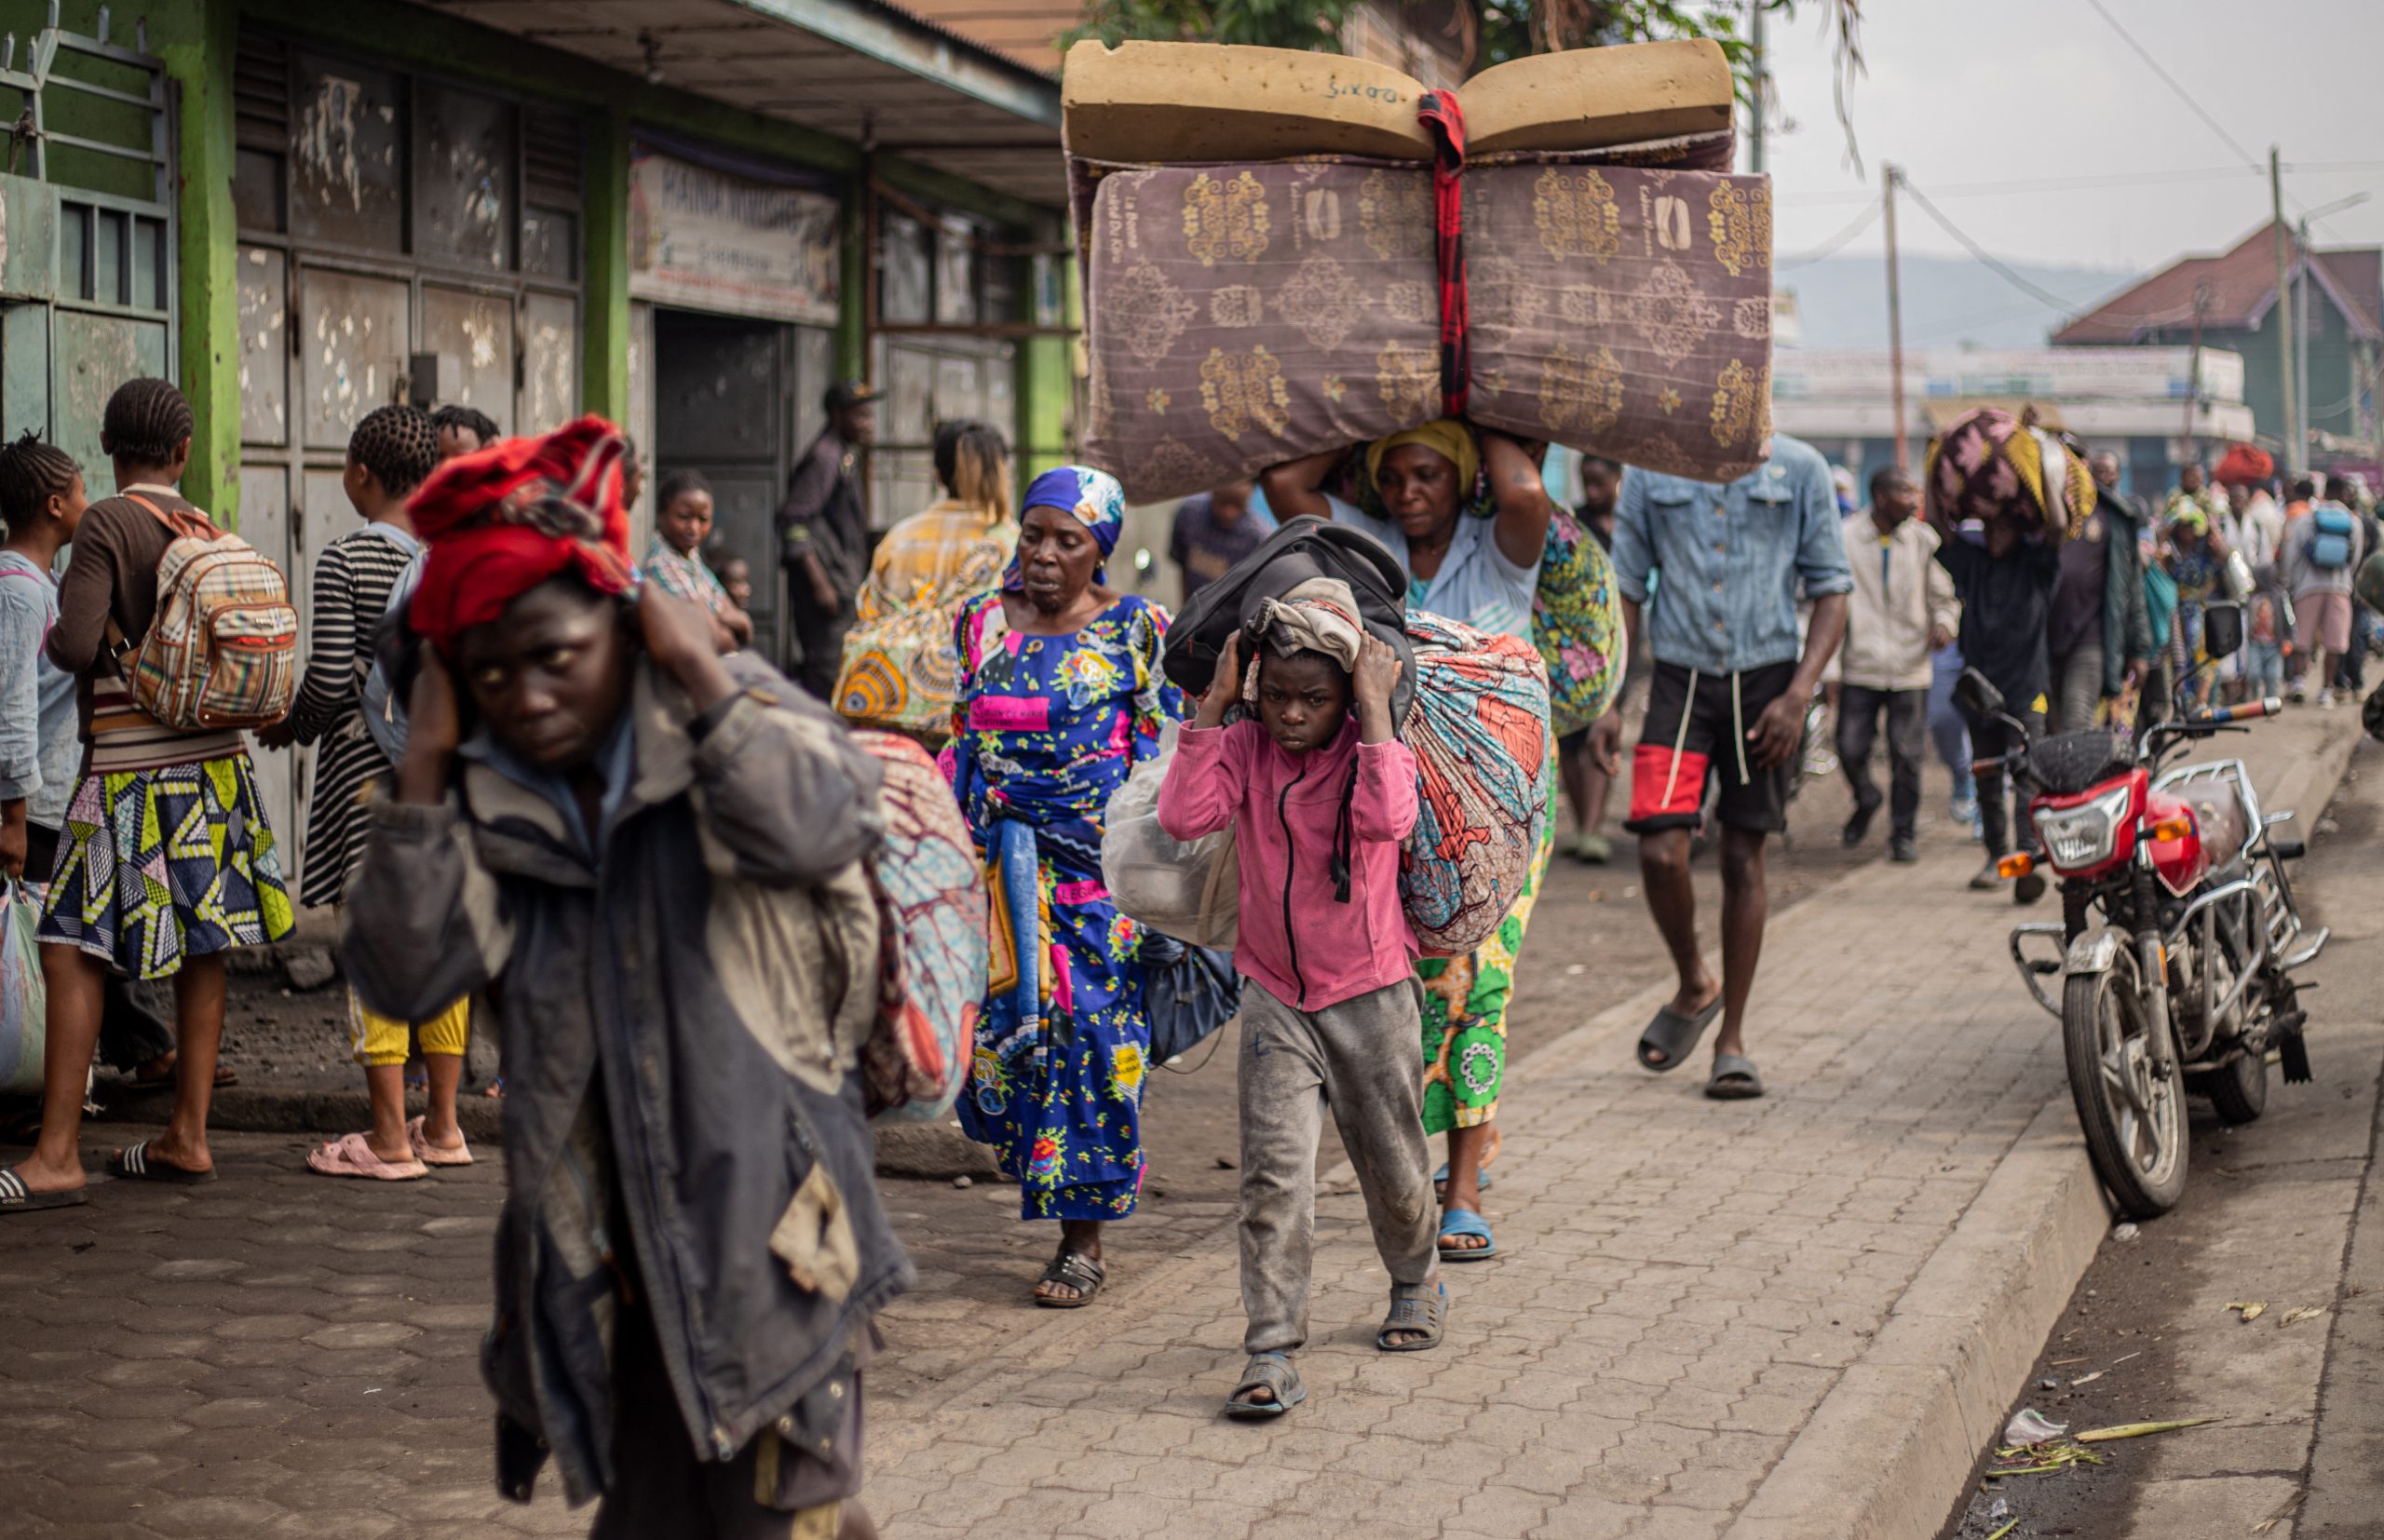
x=2244 y=463
x=499 y=522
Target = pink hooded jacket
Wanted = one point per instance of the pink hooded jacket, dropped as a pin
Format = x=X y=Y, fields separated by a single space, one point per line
x=1306 y=945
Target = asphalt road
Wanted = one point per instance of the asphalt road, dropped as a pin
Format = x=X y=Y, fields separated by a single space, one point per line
x=2282 y=1213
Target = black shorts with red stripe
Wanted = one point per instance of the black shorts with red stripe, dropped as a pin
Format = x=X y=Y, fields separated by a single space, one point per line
x=1697 y=728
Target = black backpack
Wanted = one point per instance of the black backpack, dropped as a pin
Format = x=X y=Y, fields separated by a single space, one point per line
x=1301 y=549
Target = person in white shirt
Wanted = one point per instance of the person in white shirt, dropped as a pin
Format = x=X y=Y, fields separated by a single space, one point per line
x=1901 y=610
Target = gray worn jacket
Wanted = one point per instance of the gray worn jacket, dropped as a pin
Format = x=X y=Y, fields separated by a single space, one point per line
x=681 y=1020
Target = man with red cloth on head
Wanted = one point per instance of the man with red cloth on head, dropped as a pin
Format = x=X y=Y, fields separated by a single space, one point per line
x=646 y=858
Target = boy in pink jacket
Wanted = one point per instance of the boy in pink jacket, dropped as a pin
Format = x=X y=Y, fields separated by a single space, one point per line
x=1319 y=793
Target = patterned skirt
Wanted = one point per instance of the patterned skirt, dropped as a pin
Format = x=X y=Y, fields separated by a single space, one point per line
x=1465 y=1011
x=157 y=865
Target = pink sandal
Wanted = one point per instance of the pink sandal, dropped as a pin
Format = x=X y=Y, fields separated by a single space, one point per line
x=352 y=1156
x=435 y=1155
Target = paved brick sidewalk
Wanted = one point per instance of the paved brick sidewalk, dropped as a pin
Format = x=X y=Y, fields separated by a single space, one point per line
x=1681 y=1282
x=273 y=1354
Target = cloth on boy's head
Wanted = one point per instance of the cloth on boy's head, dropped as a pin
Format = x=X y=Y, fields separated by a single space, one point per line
x=2243 y=465
x=1452 y=439
x=1093 y=497
x=498 y=522
x=2193 y=518
x=1991 y=464
x=1319 y=615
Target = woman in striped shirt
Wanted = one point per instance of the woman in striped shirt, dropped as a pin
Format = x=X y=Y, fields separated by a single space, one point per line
x=393 y=449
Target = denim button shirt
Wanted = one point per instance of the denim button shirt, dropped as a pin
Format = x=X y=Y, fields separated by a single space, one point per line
x=1733 y=558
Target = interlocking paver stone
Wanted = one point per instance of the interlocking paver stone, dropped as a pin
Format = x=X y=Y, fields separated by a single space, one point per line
x=1683 y=1283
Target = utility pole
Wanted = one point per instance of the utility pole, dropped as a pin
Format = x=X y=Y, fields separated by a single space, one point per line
x=2193 y=371
x=1888 y=175
x=2301 y=336
x=1762 y=80
x=2284 y=380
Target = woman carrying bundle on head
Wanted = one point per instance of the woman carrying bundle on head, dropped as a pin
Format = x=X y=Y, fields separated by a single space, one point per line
x=1482 y=571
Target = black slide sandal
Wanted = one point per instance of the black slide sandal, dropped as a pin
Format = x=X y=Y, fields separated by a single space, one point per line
x=1675 y=1036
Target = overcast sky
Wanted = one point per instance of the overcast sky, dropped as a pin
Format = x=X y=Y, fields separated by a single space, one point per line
x=1964 y=93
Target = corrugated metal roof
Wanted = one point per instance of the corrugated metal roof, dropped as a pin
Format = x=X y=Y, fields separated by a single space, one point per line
x=855 y=69
x=1025 y=31
x=2242 y=285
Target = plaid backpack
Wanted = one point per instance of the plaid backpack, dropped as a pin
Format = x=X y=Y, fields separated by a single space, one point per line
x=223 y=651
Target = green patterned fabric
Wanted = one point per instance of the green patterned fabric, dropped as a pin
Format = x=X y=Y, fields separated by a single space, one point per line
x=157 y=865
x=1465 y=1011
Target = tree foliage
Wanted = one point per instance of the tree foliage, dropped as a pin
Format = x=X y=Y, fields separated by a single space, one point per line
x=1314 y=25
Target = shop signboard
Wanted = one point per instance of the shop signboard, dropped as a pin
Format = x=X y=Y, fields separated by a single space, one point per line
x=713 y=240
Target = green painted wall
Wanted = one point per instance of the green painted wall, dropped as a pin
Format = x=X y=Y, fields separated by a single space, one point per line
x=197 y=39
x=194 y=40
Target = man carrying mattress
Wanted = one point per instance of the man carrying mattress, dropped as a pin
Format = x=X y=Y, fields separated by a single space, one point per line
x=1726 y=565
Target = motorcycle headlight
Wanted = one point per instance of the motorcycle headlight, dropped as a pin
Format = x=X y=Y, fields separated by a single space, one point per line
x=2082 y=835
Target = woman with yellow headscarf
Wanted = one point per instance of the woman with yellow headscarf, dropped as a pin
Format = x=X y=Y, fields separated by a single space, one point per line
x=1484 y=572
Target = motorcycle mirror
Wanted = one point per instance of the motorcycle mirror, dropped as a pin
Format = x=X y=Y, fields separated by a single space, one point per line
x=2221 y=627
x=1975 y=694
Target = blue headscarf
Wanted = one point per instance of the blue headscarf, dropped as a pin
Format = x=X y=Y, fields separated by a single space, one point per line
x=1096 y=499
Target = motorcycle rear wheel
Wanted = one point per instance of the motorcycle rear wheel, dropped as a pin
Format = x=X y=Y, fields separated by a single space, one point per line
x=2239 y=1092
x=2135 y=1122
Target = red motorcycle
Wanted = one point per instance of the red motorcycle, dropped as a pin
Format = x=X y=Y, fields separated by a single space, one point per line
x=2179 y=938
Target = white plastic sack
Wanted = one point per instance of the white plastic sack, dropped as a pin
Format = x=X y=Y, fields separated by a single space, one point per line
x=1192 y=891
x=23 y=997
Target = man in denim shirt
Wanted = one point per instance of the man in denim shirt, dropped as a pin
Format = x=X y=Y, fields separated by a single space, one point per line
x=1725 y=565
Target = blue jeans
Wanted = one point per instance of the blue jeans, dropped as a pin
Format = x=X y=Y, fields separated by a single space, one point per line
x=1947 y=728
x=2264 y=668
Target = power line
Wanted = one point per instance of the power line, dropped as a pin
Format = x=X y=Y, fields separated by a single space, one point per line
x=2080 y=183
x=2171 y=81
x=1831 y=247
x=1991 y=263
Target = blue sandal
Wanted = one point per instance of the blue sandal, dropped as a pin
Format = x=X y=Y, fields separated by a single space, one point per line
x=1480 y=1182
x=1465 y=1222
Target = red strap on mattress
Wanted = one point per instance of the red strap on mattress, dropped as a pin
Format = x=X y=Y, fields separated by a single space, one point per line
x=1444 y=120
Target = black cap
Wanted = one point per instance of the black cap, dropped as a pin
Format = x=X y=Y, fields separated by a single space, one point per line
x=844 y=395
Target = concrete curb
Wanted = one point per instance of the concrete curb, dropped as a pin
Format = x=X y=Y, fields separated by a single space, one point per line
x=1894 y=1440
x=1890 y=1448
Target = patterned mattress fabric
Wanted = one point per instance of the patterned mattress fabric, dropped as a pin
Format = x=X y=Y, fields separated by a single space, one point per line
x=932 y=904
x=1480 y=735
x=1243 y=315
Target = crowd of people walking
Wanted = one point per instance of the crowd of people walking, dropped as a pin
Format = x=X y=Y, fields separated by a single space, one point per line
x=562 y=799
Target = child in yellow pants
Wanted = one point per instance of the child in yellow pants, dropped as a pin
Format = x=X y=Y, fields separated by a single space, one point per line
x=395 y=1149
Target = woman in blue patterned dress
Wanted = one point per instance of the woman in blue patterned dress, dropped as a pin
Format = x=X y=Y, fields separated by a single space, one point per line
x=1061 y=694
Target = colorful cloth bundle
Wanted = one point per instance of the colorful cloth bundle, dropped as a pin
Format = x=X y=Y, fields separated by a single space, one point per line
x=933 y=917
x=902 y=672
x=1991 y=464
x=1577 y=624
x=1479 y=731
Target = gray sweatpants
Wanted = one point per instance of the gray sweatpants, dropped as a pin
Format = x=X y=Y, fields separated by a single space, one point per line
x=1364 y=1058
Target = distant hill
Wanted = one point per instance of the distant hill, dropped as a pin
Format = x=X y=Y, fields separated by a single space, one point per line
x=1947 y=301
